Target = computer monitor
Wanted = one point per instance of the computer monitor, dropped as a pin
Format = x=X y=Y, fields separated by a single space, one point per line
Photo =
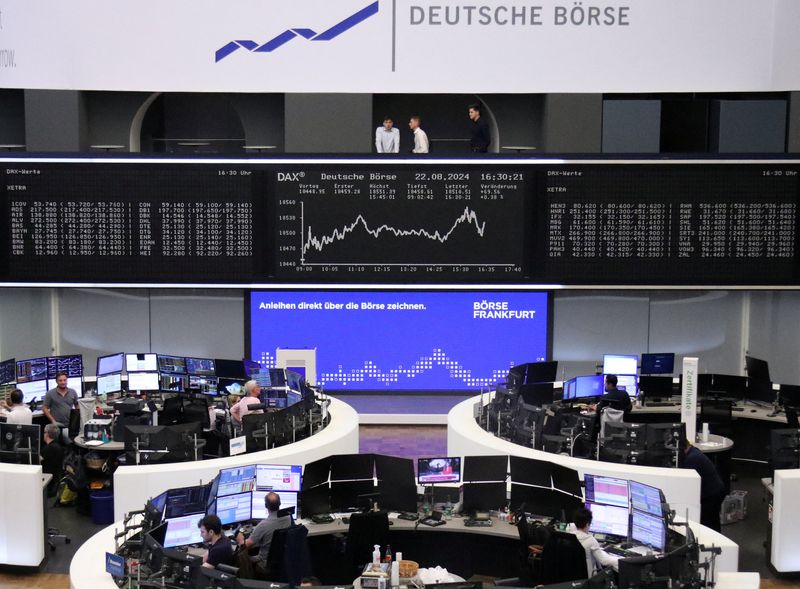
x=32 y=369
x=569 y=388
x=658 y=363
x=315 y=500
x=143 y=381
x=627 y=383
x=201 y=366
x=233 y=509
x=19 y=444
x=33 y=391
x=259 y=511
x=649 y=530
x=73 y=382
x=729 y=386
x=533 y=372
x=183 y=531
x=71 y=364
x=790 y=395
x=277 y=377
x=185 y=501
x=109 y=364
x=537 y=394
x=542 y=501
x=141 y=363
x=439 y=470
x=238 y=479
x=606 y=490
x=348 y=467
x=656 y=386
x=8 y=371
x=108 y=384
x=609 y=519
x=485 y=468
x=589 y=386
x=646 y=499
x=251 y=368
x=157 y=504
x=278 y=477
x=172 y=383
x=620 y=364
x=530 y=471
x=206 y=385
x=483 y=497
x=229 y=368
x=757 y=370
x=784 y=448
x=171 y=364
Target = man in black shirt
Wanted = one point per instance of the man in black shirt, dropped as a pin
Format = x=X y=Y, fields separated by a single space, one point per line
x=712 y=488
x=52 y=456
x=615 y=398
x=220 y=550
x=479 y=129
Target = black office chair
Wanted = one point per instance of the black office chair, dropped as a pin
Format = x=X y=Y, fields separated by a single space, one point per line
x=718 y=415
x=563 y=559
x=366 y=530
x=289 y=559
x=791 y=417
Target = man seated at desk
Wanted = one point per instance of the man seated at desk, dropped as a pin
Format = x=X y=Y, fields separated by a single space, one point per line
x=220 y=550
x=614 y=398
x=252 y=393
x=596 y=557
x=262 y=534
x=52 y=456
x=18 y=413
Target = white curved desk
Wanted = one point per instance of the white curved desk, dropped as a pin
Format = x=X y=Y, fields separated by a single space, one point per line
x=134 y=485
x=466 y=438
x=87 y=570
x=22 y=515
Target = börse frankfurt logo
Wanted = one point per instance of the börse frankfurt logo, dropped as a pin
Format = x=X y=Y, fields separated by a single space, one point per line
x=290 y=34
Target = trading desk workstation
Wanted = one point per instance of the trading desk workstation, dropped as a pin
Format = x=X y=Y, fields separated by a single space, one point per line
x=153 y=424
x=479 y=528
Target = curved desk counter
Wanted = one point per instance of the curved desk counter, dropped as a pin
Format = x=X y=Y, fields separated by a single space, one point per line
x=133 y=485
x=87 y=570
x=22 y=515
x=466 y=438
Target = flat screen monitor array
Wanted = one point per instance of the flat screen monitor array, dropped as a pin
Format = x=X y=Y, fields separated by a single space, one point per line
x=35 y=376
x=627 y=509
x=439 y=470
x=239 y=492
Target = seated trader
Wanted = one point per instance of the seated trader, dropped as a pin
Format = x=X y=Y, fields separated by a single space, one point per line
x=18 y=413
x=262 y=534
x=52 y=456
x=252 y=392
x=615 y=398
x=219 y=547
x=596 y=557
x=59 y=401
x=712 y=487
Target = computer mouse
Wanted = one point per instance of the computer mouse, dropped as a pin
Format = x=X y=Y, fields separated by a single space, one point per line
x=752 y=411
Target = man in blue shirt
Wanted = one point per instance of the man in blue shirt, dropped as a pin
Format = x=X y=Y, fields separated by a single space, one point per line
x=220 y=550
x=712 y=488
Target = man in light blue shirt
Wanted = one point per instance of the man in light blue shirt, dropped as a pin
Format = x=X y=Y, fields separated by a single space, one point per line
x=387 y=138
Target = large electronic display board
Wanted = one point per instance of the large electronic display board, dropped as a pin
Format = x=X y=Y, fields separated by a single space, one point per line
x=401 y=340
x=376 y=221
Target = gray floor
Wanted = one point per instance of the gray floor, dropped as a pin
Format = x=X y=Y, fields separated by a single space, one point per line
x=77 y=527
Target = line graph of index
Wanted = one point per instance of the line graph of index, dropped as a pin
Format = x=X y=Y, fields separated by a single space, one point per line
x=408 y=224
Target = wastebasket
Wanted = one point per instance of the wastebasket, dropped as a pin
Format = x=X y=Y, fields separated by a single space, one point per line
x=102 y=507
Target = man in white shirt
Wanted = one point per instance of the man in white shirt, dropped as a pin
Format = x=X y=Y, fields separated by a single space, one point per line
x=387 y=138
x=596 y=557
x=18 y=413
x=421 y=144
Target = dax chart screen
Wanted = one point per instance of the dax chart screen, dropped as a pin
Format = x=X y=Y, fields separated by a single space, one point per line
x=403 y=341
x=434 y=222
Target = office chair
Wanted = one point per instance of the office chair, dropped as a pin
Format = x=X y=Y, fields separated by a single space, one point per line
x=609 y=415
x=718 y=415
x=366 y=530
x=563 y=559
x=555 y=444
x=289 y=559
x=791 y=417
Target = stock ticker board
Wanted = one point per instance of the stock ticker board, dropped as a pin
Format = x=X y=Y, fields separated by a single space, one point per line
x=648 y=223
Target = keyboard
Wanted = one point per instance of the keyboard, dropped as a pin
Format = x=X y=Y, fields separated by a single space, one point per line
x=662 y=404
x=734 y=408
x=323 y=518
x=617 y=551
x=410 y=517
x=477 y=523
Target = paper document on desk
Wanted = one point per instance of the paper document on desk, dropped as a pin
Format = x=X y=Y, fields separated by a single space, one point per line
x=94 y=443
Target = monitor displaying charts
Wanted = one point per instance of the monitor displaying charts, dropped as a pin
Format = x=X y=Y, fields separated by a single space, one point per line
x=648 y=530
x=33 y=391
x=238 y=479
x=109 y=364
x=608 y=519
x=109 y=383
x=143 y=381
x=233 y=509
x=260 y=509
x=606 y=490
x=278 y=477
x=182 y=531
x=646 y=498
x=141 y=363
